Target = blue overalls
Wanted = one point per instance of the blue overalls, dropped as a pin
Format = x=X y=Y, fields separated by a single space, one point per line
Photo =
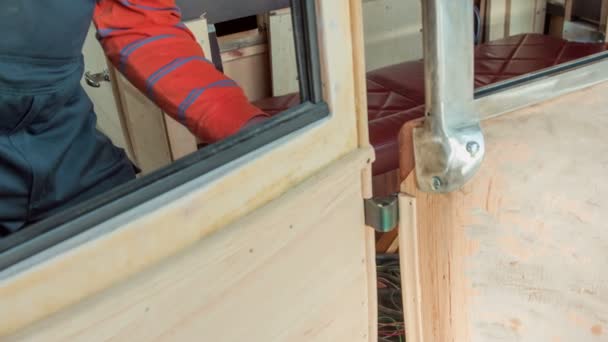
x=51 y=154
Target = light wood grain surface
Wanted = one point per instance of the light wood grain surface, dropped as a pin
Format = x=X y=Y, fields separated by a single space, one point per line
x=519 y=254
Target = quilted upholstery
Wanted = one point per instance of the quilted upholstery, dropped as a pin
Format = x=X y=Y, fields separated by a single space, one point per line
x=395 y=93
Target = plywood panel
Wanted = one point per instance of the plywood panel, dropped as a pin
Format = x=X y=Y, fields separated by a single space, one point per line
x=133 y=242
x=283 y=53
x=519 y=253
x=277 y=275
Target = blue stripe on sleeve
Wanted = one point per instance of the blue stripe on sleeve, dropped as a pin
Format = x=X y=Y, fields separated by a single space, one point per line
x=195 y=93
x=148 y=8
x=130 y=48
x=168 y=68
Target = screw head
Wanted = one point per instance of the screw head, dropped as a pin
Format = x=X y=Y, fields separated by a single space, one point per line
x=436 y=183
x=472 y=148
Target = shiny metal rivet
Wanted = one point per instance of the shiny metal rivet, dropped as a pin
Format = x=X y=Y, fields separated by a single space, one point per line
x=472 y=148
x=436 y=183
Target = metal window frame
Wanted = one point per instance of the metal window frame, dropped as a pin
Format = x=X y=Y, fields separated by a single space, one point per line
x=533 y=88
x=80 y=218
x=449 y=148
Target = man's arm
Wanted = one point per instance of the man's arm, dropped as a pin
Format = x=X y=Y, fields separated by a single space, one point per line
x=147 y=43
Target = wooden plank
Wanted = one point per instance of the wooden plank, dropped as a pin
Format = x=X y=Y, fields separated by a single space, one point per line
x=540 y=16
x=145 y=236
x=604 y=19
x=496 y=20
x=358 y=32
x=241 y=40
x=282 y=53
x=200 y=30
x=245 y=59
x=523 y=16
x=394 y=247
x=244 y=52
x=392 y=31
x=556 y=22
x=360 y=89
x=249 y=68
x=556 y=26
x=146 y=126
x=385 y=241
x=118 y=105
x=410 y=269
x=514 y=255
x=387 y=183
x=508 y=17
x=181 y=141
x=248 y=279
x=372 y=286
x=512 y=17
x=568 y=6
x=483 y=11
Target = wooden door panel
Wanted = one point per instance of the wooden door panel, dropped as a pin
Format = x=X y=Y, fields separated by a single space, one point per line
x=296 y=270
x=196 y=254
x=519 y=253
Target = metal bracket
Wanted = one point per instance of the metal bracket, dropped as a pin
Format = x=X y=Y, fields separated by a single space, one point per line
x=382 y=213
x=446 y=160
x=449 y=147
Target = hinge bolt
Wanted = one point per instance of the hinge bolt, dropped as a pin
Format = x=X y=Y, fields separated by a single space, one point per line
x=436 y=183
x=472 y=148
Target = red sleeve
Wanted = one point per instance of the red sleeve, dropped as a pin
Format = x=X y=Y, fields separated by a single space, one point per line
x=147 y=42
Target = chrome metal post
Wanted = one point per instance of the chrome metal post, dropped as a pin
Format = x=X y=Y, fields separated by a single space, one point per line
x=449 y=147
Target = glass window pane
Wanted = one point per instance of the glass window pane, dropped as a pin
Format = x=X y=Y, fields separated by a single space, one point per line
x=252 y=45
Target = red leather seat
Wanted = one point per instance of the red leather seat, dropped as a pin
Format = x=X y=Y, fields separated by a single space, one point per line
x=395 y=93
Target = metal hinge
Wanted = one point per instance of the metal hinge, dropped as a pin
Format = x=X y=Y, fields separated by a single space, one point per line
x=382 y=213
x=94 y=80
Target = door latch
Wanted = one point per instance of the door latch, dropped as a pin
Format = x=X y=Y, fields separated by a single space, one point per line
x=382 y=213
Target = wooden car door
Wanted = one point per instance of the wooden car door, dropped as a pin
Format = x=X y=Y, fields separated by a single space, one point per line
x=270 y=246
